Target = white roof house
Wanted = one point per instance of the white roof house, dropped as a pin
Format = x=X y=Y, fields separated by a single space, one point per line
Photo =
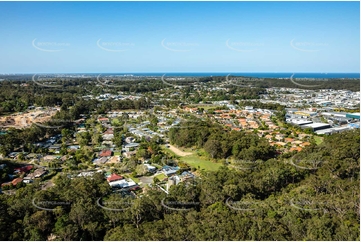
x=122 y=183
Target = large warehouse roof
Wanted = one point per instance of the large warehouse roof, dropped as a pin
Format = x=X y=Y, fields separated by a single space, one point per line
x=315 y=125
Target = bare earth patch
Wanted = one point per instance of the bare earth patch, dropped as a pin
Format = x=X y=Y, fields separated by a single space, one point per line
x=26 y=119
x=178 y=151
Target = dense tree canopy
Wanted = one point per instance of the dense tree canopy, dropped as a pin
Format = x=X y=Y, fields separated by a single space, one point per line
x=313 y=195
x=220 y=143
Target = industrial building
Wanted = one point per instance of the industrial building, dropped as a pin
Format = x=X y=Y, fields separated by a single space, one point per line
x=334 y=114
x=333 y=130
x=316 y=126
x=353 y=115
x=306 y=113
x=298 y=121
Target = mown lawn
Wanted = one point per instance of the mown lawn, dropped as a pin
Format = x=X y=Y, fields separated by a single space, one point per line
x=160 y=176
x=318 y=140
x=195 y=160
x=203 y=162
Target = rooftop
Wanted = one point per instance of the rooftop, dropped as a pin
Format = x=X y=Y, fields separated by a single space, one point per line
x=114 y=177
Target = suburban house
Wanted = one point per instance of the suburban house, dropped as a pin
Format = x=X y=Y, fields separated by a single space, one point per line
x=108 y=135
x=122 y=183
x=103 y=120
x=105 y=153
x=85 y=173
x=114 y=177
x=129 y=154
x=100 y=161
x=23 y=169
x=129 y=146
x=13 y=182
x=129 y=140
x=49 y=157
x=73 y=147
x=150 y=168
x=169 y=170
x=295 y=148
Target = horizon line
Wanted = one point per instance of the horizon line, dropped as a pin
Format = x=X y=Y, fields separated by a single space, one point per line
x=25 y=73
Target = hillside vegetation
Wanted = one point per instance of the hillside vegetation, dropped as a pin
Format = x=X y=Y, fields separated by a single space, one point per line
x=311 y=196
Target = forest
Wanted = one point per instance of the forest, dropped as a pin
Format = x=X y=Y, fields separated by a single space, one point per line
x=280 y=199
x=220 y=143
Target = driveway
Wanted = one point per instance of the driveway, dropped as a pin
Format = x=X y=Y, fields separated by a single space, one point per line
x=144 y=180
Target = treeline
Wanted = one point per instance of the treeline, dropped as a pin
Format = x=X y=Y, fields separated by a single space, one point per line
x=337 y=84
x=220 y=143
x=331 y=83
x=17 y=96
x=276 y=200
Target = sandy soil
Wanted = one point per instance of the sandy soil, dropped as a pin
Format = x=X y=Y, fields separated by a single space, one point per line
x=26 y=119
x=178 y=151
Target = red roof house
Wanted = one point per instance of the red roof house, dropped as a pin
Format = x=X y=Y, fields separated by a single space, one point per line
x=296 y=148
x=24 y=168
x=103 y=119
x=114 y=177
x=109 y=131
x=16 y=181
x=105 y=153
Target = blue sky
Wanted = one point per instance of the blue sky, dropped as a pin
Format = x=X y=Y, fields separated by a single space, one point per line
x=130 y=37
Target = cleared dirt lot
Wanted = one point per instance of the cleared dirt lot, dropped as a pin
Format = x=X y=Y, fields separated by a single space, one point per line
x=178 y=151
x=23 y=120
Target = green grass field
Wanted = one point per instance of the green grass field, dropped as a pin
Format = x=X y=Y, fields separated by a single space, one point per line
x=318 y=140
x=195 y=160
x=204 y=163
